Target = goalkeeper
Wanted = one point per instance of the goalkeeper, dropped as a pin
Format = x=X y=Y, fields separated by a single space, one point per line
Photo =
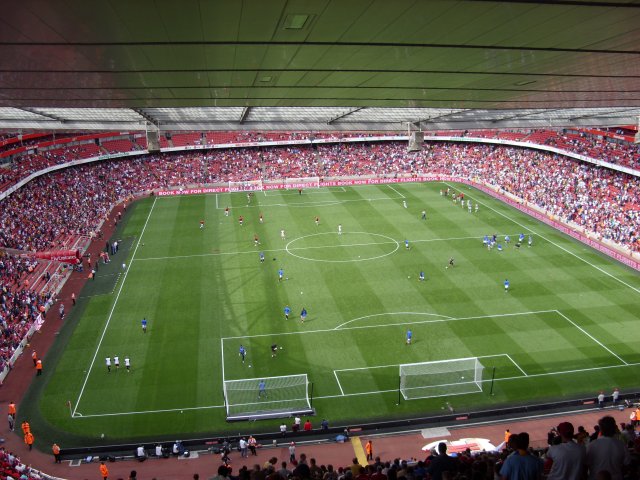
x=262 y=389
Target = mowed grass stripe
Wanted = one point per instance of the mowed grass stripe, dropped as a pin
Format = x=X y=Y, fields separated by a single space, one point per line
x=229 y=293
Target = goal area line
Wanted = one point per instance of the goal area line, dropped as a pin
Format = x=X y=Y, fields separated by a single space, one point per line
x=484 y=381
x=77 y=414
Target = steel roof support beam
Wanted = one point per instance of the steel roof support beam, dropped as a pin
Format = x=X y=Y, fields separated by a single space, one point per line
x=45 y=115
x=244 y=115
x=342 y=115
x=147 y=117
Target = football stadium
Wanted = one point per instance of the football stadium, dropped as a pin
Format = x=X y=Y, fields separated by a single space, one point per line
x=320 y=240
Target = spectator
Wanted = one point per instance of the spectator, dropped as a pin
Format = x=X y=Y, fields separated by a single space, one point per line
x=442 y=463
x=607 y=452
x=568 y=458
x=521 y=464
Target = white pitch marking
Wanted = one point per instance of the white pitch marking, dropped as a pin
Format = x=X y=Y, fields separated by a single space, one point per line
x=275 y=250
x=124 y=279
x=437 y=361
x=338 y=380
x=222 y=354
x=590 y=336
x=321 y=191
x=392 y=313
x=141 y=412
x=304 y=332
x=519 y=377
x=554 y=243
x=401 y=195
x=517 y=366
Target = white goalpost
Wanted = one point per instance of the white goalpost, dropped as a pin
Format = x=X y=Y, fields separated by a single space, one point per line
x=441 y=378
x=301 y=182
x=246 y=186
x=269 y=397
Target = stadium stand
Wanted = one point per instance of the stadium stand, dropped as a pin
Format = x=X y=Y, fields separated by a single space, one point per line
x=603 y=201
x=56 y=209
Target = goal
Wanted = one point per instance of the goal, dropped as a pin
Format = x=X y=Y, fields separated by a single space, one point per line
x=246 y=186
x=441 y=378
x=301 y=182
x=269 y=397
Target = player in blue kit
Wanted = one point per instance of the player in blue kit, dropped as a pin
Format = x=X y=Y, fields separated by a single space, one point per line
x=261 y=257
x=521 y=237
x=506 y=285
x=409 y=336
x=262 y=389
x=280 y=274
x=243 y=352
x=287 y=311
x=144 y=325
x=303 y=314
x=406 y=244
x=421 y=276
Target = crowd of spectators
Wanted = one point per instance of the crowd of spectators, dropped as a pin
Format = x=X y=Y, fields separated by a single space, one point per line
x=76 y=200
x=607 y=453
x=12 y=468
x=20 y=305
x=590 y=145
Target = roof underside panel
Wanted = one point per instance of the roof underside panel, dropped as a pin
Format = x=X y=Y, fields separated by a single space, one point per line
x=370 y=63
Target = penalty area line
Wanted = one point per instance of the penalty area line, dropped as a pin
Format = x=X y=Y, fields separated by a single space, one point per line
x=401 y=195
x=335 y=373
x=590 y=336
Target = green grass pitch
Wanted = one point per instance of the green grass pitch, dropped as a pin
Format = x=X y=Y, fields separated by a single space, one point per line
x=567 y=327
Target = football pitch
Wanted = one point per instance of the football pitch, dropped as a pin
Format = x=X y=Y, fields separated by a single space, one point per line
x=566 y=328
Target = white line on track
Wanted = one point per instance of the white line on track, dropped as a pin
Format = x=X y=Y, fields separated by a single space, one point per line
x=590 y=336
x=637 y=290
x=113 y=307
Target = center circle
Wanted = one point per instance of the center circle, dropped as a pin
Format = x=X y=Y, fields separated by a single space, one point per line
x=333 y=247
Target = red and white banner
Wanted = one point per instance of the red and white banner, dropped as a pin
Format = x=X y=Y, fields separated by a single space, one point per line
x=68 y=256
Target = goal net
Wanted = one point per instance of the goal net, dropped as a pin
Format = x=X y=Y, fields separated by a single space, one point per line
x=441 y=378
x=246 y=186
x=270 y=397
x=301 y=182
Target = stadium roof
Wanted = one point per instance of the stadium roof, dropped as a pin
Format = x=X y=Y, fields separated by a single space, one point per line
x=318 y=64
